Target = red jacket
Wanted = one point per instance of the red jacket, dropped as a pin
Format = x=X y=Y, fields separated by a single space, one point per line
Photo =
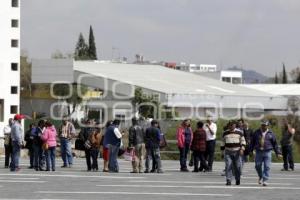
x=181 y=137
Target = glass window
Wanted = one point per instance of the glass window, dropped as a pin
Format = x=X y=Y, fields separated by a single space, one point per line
x=14 y=43
x=236 y=80
x=14 y=23
x=14 y=66
x=14 y=90
x=13 y=109
x=226 y=79
x=15 y=3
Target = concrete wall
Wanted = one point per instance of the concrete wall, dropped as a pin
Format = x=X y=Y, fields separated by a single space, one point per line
x=9 y=55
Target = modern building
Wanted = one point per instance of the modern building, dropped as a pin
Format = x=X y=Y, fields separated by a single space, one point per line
x=186 y=94
x=9 y=60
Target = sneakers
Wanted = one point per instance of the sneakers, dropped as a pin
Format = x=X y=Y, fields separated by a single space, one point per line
x=228 y=182
x=265 y=183
x=260 y=181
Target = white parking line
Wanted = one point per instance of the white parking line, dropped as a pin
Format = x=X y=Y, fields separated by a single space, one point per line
x=199 y=187
x=203 y=182
x=273 y=178
x=20 y=181
x=18 y=178
x=74 y=176
x=134 y=193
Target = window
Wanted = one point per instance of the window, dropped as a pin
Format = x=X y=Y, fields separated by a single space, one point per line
x=236 y=80
x=1 y=110
x=13 y=109
x=14 y=43
x=15 y=3
x=14 y=66
x=14 y=23
x=226 y=79
x=14 y=90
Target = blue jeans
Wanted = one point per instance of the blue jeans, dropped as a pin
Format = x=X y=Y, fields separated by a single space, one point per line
x=263 y=161
x=16 y=149
x=183 y=156
x=66 y=151
x=37 y=156
x=154 y=154
x=50 y=157
x=232 y=164
x=113 y=165
x=210 y=153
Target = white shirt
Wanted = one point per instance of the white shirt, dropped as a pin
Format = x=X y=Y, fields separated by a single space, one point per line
x=117 y=133
x=209 y=135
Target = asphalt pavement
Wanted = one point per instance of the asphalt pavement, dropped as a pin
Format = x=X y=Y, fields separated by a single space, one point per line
x=77 y=183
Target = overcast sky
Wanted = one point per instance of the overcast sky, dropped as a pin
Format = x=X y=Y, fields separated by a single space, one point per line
x=254 y=34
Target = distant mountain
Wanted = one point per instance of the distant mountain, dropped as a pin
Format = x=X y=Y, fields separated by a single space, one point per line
x=251 y=76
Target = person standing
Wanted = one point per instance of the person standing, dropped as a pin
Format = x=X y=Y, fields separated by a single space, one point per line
x=17 y=142
x=105 y=146
x=84 y=135
x=287 y=147
x=263 y=142
x=233 y=147
x=66 y=133
x=184 y=141
x=49 y=137
x=37 y=146
x=211 y=132
x=198 y=147
x=152 y=141
x=136 y=143
x=113 y=136
x=95 y=139
x=7 y=142
x=29 y=144
x=248 y=134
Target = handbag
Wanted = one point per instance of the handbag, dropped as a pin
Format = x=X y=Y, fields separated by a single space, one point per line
x=129 y=155
x=79 y=145
x=45 y=146
x=121 y=149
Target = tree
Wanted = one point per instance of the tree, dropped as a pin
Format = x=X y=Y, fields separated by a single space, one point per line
x=92 y=51
x=146 y=104
x=295 y=75
x=276 y=81
x=81 y=50
x=298 y=78
x=284 y=75
x=74 y=99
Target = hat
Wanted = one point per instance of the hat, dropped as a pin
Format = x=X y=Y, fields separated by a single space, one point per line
x=266 y=123
x=19 y=117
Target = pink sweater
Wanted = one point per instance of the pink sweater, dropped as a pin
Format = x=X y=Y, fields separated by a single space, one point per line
x=49 y=136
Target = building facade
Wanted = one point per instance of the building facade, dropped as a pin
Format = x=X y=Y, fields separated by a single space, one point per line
x=9 y=60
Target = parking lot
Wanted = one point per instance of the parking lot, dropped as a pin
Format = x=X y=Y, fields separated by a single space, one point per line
x=76 y=183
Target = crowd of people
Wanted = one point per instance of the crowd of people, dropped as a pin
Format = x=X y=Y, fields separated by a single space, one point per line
x=238 y=142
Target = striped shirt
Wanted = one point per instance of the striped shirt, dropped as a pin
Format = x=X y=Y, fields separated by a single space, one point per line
x=233 y=140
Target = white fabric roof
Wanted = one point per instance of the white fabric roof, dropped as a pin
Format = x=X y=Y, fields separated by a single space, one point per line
x=277 y=89
x=165 y=80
